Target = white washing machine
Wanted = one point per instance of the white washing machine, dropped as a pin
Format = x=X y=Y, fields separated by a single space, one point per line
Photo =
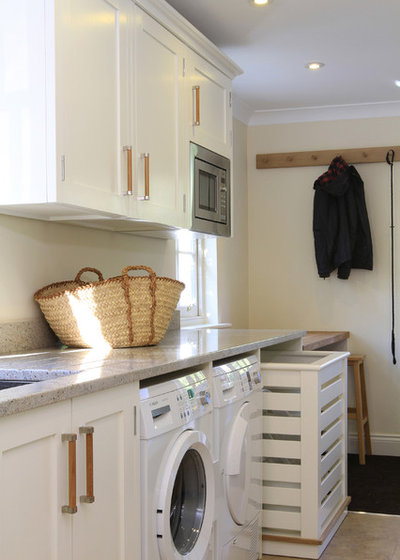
x=238 y=429
x=177 y=469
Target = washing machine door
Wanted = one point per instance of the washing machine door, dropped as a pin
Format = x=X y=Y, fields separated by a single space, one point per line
x=237 y=465
x=185 y=508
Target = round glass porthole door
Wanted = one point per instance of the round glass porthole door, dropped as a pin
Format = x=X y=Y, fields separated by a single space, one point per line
x=185 y=505
x=188 y=502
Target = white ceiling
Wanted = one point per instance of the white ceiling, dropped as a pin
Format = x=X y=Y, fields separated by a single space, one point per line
x=358 y=40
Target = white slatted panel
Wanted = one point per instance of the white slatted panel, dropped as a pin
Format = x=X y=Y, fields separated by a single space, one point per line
x=281 y=401
x=282 y=425
x=330 y=371
x=282 y=496
x=331 y=414
x=331 y=436
x=331 y=392
x=284 y=520
x=330 y=458
x=272 y=378
x=331 y=502
x=281 y=449
x=331 y=480
x=281 y=472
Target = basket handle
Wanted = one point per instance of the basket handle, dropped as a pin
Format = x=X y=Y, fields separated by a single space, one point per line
x=125 y=284
x=88 y=269
x=151 y=272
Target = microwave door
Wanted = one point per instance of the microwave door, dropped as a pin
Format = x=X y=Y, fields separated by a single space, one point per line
x=207 y=191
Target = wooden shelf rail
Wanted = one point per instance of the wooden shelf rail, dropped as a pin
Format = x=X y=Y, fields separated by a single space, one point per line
x=324 y=157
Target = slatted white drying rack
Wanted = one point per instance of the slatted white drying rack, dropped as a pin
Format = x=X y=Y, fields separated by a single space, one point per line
x=305 y=451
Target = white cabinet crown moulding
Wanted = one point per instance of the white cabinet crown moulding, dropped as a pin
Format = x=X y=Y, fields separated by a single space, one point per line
x=97 y=113
x=165 y=14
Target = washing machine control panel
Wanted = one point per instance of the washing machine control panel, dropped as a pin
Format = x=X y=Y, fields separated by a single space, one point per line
x=233 y=380
x=171 y=404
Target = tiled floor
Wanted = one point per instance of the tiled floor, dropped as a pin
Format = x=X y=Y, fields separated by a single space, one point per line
x=363 y=537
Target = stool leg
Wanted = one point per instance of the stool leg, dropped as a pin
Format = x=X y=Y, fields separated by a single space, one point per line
x=365 y=411
x=359 y=413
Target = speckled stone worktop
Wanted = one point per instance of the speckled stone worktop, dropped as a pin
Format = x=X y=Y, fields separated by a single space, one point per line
x=61 y=374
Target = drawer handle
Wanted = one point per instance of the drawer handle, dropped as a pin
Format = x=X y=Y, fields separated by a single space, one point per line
x=196 y=90
x=71 y=507
x=88 y=498
x=128 y=150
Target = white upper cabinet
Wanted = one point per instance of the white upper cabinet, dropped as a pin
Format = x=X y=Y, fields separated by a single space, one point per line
x=92 y=117
x=64 y=105
x=158 y=122
x=99 y=100
x=210 y=106
x=23 y=102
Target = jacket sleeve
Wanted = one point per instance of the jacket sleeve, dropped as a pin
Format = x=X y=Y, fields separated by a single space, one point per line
x=322 y=241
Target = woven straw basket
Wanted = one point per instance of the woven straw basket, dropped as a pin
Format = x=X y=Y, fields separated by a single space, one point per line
x=120 y=312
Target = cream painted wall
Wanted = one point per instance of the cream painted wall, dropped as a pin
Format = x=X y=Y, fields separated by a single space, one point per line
x=232 y=253
x=36 y=253
x=284 y=287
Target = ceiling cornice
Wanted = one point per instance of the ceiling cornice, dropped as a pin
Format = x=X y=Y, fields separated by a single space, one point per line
x=313 y=114
x=167 y=16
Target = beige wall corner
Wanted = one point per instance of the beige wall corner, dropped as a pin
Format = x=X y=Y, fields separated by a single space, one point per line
x=233 y=252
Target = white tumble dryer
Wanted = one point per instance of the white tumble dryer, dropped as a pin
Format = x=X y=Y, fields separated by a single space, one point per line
x=238 y=429
x=177 y=470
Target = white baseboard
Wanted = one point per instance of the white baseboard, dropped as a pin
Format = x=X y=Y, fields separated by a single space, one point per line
x=382 y=444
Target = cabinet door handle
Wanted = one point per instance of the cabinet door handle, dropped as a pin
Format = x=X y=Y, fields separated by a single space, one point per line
x=146 y=176
x=88 y=498
x=196 y=90
x=71 y=507
x=146 y=158
x=128 y=150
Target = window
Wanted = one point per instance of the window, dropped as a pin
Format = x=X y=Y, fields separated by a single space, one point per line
x=197 y=269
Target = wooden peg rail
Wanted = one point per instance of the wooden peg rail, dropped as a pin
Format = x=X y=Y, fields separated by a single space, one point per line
x=324 y=157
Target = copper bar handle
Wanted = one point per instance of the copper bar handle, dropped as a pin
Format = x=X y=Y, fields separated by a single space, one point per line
x=88 y=498
x=71 y=507
x=196 y=90
x=146 y=176
x=128 y=150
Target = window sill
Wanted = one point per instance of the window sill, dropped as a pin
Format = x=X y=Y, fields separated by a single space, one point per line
x=206 y=326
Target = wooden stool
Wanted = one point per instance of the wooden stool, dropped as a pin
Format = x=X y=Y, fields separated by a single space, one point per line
x=360 y=412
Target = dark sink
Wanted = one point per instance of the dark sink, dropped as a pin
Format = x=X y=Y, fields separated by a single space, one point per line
x=10 y=384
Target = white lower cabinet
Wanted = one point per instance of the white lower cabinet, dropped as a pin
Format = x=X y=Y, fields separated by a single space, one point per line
x=37 y=483
x=305 y=450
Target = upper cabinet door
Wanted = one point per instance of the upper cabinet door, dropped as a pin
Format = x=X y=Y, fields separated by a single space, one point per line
x=93 y=119
x=22 y=102
x=209 y=110
x=158 y=116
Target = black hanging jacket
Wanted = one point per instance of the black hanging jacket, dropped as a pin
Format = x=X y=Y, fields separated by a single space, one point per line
x=342 y=235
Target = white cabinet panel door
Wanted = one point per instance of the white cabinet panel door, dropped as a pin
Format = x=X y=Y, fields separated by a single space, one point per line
x=92 y=40
x=34 y=485
x=158 y=120
x=209 y=109
x=22 y=102
x=108 y=528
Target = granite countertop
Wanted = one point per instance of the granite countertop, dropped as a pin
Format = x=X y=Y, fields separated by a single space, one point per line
x=61 y=374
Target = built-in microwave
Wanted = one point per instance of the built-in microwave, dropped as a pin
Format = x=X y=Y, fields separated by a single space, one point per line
x=211 y=192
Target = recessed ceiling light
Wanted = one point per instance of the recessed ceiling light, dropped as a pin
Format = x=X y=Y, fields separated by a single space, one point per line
x=314 y=65
x=397 y=83
x=260 y=2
